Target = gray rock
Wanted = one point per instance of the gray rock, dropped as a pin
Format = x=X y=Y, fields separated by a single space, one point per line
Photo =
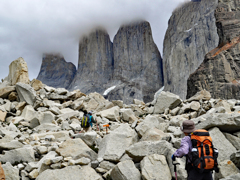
x=234 y=140
x=235 y=158
x=76 y=149
x=125 y=170
x=218 y=141
x=155 y=166
x=5 y=91
x=11 y=173
x=47 y=117
x=137 y=68
x=70 y=172
x=226 y=168
x=95 y=62
x=107 y=165
x=113 y=145
x=55 y=71
x=154 y=134
x=111 y=114
x=190 y=35
x=88 y=137
x=141 y=149
x=26 y=93
x=222 y=82
x=24 y=154
x=47 y=127
x=15 y=144
x=166 y=100
x=232 y=177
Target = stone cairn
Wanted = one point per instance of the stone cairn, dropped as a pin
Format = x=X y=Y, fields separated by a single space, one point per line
x=41 y=138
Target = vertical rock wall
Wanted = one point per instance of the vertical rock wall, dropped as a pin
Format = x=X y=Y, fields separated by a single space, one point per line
x=137 y=63
x=56 y=72
x=220 y=71
x=95 y=63
x=191 y=34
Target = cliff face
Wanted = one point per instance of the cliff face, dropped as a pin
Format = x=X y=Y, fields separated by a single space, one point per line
x=95 y=64
x=220 y=71
x=191 y=34
x=137 y=63
x=55 y=71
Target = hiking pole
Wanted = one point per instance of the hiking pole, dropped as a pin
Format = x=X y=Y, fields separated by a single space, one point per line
x=175 y=168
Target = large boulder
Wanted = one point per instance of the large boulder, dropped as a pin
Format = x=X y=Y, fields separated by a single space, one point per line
x=24 y=154
x=18 y=72
x=111 y=114
x=220 y=142
x=125 y=170
x=148 y=123
x=76 y=149
x=11 y=173
x=141 y=149
x=234 y=140
x=165 y=100
x=26 y=93
x=113 y=145
x=4 y=92
x=224 y=121
x=155 y=166
x=70 y=172
x=226 y=168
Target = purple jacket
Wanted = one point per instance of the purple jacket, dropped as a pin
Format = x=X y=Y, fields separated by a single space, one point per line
x=185 y=148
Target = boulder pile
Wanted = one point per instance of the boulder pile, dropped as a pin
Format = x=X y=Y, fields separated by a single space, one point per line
x=41 y=136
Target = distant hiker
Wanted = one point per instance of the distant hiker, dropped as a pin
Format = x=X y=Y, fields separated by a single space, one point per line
x=201 y=156
x=87 y=121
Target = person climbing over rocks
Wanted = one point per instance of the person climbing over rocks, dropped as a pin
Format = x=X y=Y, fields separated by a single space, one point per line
x=87 y=121
x=201 y=156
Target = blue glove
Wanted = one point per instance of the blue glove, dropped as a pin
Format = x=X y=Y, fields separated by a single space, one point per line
x=173 y=158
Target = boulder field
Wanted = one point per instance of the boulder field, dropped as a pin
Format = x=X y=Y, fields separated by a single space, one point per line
x=41 y=135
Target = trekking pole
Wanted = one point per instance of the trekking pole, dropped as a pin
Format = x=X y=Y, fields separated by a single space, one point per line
x=175 y=168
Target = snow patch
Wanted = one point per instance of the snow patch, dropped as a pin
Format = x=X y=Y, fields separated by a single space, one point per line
x=108 y=90
x=158 y=92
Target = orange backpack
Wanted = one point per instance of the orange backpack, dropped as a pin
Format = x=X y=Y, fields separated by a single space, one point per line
x=204 y=155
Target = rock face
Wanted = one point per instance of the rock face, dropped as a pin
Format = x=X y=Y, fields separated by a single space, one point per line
x=95 y=63
x=137 y=63
x=191 y=34
x=219 y=72
x=55 y=71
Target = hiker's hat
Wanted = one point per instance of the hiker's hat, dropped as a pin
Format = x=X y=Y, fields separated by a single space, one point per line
x=188 y=126
x=90 y=112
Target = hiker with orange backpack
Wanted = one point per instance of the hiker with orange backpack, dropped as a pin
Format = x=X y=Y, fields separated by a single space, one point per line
x=201 y=156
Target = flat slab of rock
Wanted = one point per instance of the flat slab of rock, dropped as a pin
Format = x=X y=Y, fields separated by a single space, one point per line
x=155 y=166
x=166 y=100
x=76 y=149
x=10 y=172
x=141 y=149
x=225 y=148
x=225 y=122
x=70 y=172
x=113 y=145
x=26 y=93
x=125 y=170
x=4 y=92
x=24 y=154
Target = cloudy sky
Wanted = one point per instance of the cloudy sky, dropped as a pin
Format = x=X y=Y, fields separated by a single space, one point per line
x=29 y=28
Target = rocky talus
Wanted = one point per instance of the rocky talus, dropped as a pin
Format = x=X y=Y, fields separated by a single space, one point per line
x=95 y=63
x=55 y=71
x=42 y=137
x=219 y=73
x=191 y=34
x=137 y=63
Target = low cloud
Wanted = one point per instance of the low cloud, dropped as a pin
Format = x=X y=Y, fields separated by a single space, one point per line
x=30 y=28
